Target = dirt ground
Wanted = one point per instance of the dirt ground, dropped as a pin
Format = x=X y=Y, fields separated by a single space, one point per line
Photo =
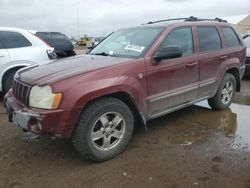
x=194 y=147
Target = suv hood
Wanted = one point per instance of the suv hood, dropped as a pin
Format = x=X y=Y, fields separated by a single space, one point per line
x=62 y=69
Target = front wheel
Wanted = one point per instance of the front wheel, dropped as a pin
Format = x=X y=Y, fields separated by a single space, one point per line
x=8 y=81
x=104 y=130
x=225 y=93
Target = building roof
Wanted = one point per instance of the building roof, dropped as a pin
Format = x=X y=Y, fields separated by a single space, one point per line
x=235 y=19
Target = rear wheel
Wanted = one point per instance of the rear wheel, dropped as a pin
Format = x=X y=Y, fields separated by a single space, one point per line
x=104 y=130
x=224 y=94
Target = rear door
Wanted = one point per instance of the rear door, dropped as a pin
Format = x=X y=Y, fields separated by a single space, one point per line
x=233 y=46
x=172 y=82
x=4 y=56
x=211 y=55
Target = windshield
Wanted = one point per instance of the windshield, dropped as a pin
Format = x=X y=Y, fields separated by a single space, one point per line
x=247 y=42
x=130 y=43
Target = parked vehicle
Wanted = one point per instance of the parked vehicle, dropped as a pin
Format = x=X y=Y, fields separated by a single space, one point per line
x=97 y=40
x=134 y=75
x=246 y=34
x=19 y=48
x=86 y=41
x=60 y=42
x=247 y=42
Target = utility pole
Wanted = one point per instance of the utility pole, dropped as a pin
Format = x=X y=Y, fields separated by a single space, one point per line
x=78 y=25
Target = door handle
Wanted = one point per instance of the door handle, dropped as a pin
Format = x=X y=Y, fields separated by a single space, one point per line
x=223 y=57
x=192 y=64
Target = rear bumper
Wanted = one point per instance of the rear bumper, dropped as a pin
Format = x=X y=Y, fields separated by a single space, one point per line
x=52 y=123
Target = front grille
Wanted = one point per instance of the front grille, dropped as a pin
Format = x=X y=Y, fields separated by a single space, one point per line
x=21 y=92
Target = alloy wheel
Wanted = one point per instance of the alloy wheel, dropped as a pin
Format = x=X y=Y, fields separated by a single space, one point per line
x=108 y=131
x=227 y=92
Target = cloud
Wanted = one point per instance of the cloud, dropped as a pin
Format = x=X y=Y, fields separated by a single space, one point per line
x=98 y=17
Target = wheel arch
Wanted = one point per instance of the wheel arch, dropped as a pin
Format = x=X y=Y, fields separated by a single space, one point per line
x=127 y=98
x=235 y=72
x=7 y=70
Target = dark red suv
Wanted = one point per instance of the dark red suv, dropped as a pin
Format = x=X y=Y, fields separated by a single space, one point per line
x=135 y=74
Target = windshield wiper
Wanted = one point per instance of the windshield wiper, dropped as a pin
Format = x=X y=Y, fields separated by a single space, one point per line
x=102 y=53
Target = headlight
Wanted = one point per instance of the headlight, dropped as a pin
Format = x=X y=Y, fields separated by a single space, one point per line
x=42 y=97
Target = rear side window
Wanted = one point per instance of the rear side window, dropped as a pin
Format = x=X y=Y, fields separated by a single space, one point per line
x=230 y=36
x=13 y=40
x=209 y=39
x=180 y=37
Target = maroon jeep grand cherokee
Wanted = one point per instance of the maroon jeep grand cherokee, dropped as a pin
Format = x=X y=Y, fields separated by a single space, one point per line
x=138 y=73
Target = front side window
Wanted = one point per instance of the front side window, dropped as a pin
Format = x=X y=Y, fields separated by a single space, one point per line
x=209 y=39
x=130 y=43
x=13 y=40
x=181 y=37
x=230 y=36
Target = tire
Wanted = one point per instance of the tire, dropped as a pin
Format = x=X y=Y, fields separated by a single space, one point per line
x=94 y=138
x=225 y=93
x=7 y=82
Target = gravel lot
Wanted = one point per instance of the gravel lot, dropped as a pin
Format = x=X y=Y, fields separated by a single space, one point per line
x=194 y=147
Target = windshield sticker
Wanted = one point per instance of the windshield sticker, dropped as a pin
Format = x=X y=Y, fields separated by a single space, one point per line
x=134 y=48
x=111 y=52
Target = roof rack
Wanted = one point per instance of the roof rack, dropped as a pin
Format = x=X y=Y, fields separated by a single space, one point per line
x=191 y=18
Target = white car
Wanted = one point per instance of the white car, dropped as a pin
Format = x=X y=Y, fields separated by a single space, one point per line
x=20 y=48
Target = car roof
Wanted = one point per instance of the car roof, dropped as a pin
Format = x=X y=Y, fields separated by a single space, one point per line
x=13 y=29
x=185 y=23
x=49 y=33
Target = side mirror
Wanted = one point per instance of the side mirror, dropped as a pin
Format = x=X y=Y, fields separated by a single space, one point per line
x=168 y=52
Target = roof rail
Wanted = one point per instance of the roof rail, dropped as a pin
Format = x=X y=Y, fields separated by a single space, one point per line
x=191 y=18
x=215 y=19
x=166 y=20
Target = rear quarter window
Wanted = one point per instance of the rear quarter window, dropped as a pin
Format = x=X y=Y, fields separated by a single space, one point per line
x=230 y=36
x=209 y=38
x=13 y=40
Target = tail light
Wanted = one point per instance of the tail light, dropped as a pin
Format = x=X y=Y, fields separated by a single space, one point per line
x=51 y=54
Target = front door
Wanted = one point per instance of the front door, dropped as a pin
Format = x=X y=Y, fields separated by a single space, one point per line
x=4 y=56
x=172 y=82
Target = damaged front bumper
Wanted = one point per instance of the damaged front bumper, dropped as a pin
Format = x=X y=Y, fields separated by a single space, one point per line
x=52 y=123
x=22 y=118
